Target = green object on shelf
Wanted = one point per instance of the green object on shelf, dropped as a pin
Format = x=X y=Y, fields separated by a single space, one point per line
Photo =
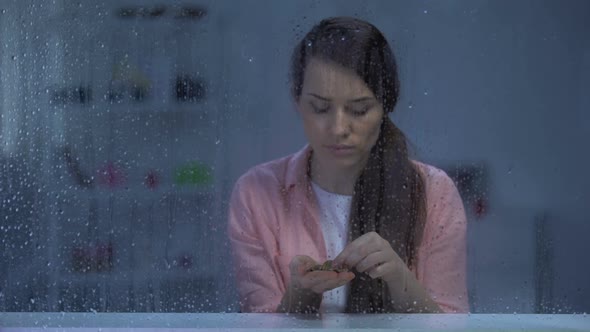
x=194 y=173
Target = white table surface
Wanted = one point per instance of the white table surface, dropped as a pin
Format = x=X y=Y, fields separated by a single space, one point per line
x=176 y=322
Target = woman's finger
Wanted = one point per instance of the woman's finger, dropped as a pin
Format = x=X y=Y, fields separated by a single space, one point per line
x=314 y=278
x=372 y=260
x=360 y=248
x=299 y=265
x=381 y=271
x=327 y=285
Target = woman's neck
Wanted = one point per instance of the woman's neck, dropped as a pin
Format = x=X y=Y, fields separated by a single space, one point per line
x=337 y=180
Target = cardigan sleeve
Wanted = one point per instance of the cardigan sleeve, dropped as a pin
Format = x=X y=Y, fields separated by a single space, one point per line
x=442 y=255
x=259 y=283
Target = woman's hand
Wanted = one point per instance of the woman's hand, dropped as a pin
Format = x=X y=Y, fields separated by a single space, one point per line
x=303 y=278
x=304 y=292
x=372 y=254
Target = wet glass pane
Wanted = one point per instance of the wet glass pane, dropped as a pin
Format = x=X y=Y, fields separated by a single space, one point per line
x=125 y=126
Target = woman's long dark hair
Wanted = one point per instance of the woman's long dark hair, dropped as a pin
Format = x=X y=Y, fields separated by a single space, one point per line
x=389 y=193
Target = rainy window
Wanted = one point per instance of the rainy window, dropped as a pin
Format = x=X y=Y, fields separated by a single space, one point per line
x=132 y=135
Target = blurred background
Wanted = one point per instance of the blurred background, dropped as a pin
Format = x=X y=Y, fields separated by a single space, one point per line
x=124 y=124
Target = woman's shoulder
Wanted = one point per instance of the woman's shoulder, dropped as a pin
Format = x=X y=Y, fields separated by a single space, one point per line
x=267 y=173
x=276 y=173
x=436 y=181
x=444 y=206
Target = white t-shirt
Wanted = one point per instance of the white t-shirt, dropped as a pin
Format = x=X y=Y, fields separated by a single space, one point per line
x=334 y=213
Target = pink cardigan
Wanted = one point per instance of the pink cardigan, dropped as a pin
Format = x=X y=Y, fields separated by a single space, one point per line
x=273 y=216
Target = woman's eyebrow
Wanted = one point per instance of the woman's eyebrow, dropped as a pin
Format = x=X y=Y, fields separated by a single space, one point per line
x=361 y=99
x=355 y=100
x=319 y=97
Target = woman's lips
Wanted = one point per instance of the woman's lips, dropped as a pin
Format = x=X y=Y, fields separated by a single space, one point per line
x=340 y=150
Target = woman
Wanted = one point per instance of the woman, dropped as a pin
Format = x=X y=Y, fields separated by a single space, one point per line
x=394 y=227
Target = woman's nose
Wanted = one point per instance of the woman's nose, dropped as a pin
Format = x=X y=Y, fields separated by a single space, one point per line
x=341 y=124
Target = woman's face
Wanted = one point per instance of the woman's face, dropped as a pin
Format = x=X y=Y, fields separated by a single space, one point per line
x=341 y=115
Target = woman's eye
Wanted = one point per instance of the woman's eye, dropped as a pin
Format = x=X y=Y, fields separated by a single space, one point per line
x=317 y=109
x=360 y=111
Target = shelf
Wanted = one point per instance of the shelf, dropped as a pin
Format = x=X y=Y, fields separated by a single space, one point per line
x=141 y=108
x=135 y=277
x=122 y=276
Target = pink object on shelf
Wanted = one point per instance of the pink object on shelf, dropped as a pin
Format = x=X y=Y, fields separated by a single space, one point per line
x=111 y=175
